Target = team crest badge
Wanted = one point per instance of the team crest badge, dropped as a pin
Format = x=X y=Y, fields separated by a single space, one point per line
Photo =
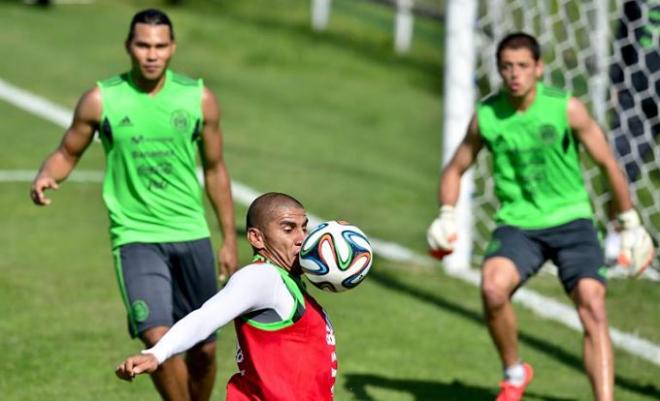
x=180 y=120
x=547 y=133
x=140 y=310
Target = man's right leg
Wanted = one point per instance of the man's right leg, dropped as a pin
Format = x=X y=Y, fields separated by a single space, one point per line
x=171 y=377
x=499 y=279
x=145 y=284
x=512 y=256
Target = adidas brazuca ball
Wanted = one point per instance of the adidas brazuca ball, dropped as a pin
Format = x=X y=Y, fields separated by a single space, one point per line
x=336 y=256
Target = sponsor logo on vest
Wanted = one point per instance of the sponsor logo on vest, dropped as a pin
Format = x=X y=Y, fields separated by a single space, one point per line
x=125 y=122
x=138 y=139
x=140 y=310
x=180 y=120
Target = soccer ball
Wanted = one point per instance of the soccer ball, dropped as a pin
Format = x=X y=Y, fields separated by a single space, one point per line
x=336 y=256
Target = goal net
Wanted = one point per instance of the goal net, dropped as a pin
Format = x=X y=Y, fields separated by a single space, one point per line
x=607 y=53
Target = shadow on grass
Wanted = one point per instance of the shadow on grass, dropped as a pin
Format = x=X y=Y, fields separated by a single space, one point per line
x=541 y=345
x=424 y=390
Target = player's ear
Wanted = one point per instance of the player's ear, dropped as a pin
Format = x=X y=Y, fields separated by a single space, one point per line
x=173 y=47
x=539 y=69
x=256 y=238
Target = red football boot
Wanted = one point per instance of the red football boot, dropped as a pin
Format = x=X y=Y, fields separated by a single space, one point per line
x=510 y=392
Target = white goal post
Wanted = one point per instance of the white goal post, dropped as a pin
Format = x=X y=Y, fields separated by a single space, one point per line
x=582 y=43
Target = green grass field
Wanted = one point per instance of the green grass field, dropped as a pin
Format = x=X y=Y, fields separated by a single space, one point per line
x=336 y=119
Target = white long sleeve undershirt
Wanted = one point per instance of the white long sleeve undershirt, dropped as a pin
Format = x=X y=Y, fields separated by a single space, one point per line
x=254 y=287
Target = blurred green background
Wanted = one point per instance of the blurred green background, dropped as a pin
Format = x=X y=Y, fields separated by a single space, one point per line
x=338 y=120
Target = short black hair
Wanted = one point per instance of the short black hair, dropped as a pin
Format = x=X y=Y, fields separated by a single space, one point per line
x=262 y=207
x=151 y=16
x=519 y=40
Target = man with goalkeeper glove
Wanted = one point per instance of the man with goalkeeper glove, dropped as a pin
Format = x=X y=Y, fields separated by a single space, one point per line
x=533 y=132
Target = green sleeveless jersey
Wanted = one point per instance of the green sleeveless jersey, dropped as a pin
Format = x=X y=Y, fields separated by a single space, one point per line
x=536 y=161
x=150 y=186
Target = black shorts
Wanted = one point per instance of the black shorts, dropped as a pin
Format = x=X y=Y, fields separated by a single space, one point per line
x=162 y=282
x=573 y=247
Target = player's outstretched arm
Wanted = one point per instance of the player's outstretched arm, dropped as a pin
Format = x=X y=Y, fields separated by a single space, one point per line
x=637 y=250
x=442 y=234
x=59 y=164
x=252 y=288
x=135 y=365
x=218 y=184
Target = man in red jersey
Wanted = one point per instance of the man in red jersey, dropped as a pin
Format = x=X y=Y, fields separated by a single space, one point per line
x=286 y=342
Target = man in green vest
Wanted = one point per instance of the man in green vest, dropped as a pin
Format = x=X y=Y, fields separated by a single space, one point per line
x=533 y=132
x=151 y=122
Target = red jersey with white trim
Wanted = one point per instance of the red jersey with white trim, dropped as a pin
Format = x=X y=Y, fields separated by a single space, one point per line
x=292 y=363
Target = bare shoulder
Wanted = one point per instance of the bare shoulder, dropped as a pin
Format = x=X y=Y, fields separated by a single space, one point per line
x=90 y=105
x=473 y=135
x=210 y=107
x=209 y=99
x=577 y=112
x=91 y=96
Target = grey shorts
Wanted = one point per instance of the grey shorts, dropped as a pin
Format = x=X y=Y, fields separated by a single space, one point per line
x=162 y=282
x=573 y=247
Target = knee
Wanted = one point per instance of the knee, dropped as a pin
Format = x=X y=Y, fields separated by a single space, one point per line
x=494 y=294
x=592 y=312
x=151 y=336
x=590 y=302
x=499 y=280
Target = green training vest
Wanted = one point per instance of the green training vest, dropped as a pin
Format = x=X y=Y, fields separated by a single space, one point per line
x=296 y=287
x=536 y=161
x=150 y=186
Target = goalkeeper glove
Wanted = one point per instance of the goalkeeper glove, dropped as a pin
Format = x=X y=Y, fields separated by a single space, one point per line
x=637 y=250
x=442 y=233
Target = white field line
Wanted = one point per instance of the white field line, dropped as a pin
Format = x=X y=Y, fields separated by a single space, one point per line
x=539 y=304
x=63 y=2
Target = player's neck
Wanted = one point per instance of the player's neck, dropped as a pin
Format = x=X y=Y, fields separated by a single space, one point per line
x=148 y=86
x=522 y=103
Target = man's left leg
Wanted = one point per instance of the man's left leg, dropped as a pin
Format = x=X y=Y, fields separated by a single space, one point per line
x=202 y=368
x=589 y=298
x=195 y=281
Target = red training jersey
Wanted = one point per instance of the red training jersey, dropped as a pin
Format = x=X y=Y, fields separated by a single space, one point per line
x=294 y=363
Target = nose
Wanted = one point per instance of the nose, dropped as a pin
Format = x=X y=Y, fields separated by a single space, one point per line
x=152 y=54
x=301 y=237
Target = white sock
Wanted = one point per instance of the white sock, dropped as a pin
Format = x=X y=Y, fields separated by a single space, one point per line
x=515 y=374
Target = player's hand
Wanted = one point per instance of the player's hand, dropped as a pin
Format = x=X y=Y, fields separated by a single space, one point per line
x=442 y=234
x=134 y=365
x=39 y=185
x=227 y=260
x=637 y=250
